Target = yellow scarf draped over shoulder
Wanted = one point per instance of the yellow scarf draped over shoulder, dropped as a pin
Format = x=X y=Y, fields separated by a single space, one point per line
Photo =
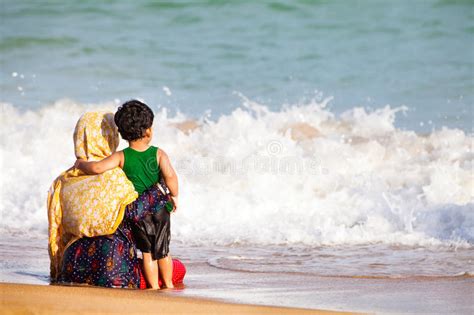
x=87 y=205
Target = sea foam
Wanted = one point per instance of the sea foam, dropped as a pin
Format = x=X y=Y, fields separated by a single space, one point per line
x=301 y=175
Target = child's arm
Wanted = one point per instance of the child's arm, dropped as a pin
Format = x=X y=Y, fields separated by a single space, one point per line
x=169 y=175
x=99 y=167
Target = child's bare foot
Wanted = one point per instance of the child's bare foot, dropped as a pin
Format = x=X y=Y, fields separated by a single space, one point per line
x=152 y=289
x=167 y=288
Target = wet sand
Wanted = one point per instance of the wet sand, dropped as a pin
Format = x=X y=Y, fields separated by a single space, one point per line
x=41 y=299
x=27 y=262
x=413 y=295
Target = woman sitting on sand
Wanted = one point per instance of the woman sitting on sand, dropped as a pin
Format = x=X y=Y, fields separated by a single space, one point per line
x=90 y=239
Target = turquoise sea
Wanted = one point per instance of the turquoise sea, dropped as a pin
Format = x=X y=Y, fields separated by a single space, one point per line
x=193 y=55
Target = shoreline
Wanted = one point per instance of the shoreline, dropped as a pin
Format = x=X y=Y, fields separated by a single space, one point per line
x=55 y=299
x=27 y=263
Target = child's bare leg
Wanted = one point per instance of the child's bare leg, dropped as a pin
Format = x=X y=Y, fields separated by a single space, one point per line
x=166 y=270
x=151 y=271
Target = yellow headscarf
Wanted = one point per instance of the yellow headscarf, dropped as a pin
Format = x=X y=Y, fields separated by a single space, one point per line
x=87 y=205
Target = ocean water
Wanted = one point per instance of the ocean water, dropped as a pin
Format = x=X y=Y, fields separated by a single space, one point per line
x=318 y=142
x=192 y=55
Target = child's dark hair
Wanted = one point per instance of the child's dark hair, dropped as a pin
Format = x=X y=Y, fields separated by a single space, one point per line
x=132 y=119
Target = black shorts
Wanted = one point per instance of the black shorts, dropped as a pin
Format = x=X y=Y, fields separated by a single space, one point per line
x=153 y=234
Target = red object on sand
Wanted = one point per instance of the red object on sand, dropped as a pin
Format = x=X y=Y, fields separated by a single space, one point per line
x=179 y=271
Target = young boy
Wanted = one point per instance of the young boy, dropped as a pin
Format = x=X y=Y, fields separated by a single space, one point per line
x=143 y=164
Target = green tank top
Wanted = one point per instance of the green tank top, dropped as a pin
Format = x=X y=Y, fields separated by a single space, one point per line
x=141 y=168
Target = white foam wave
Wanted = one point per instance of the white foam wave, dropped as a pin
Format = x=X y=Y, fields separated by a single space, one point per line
x=301 y=175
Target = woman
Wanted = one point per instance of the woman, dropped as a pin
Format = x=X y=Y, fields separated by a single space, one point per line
x=90 y=217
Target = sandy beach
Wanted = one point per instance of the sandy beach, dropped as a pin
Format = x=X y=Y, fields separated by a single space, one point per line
x=40 y=299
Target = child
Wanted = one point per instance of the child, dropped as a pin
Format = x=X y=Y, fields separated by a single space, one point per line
x=143 y=164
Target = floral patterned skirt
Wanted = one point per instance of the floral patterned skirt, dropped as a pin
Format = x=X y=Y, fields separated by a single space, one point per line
x=106 y=261
x=111 y=261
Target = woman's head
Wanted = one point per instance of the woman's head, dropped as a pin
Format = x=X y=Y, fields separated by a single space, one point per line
x=133 y=119
x=95 y=136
